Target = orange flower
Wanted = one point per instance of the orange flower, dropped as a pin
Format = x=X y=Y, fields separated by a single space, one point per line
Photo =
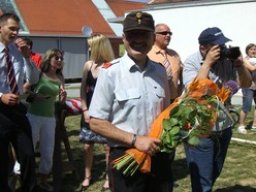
x=223 y=94
x=201 y=87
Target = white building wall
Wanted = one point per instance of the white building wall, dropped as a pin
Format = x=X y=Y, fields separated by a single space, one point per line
x=187 y=20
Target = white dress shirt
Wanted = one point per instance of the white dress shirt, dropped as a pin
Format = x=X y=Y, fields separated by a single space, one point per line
x=24 y=69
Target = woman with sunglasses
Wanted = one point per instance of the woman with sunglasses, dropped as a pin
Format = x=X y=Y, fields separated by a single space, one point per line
x=49 y=88
x=101 y=52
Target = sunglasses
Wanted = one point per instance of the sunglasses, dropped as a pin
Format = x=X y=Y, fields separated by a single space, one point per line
x=164 y=33
x=57 y=58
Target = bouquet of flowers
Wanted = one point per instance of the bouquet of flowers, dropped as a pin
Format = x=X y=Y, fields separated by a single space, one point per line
x=194 y=116
x=190 y=117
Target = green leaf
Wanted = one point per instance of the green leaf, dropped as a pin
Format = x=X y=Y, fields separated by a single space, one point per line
x=167 y=124
x=193 y=140
x=173 y=121
x=174 y=110
x=165 y=139
x=174 y=130
x=175 y=143
x=187 y=112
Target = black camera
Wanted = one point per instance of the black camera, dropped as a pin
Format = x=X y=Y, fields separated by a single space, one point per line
x=231 y=53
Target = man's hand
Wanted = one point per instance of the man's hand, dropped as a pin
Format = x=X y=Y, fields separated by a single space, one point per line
x=212 y=56
x=147 y=144
x=23 y=48
x=10 y=99
x=239 y=62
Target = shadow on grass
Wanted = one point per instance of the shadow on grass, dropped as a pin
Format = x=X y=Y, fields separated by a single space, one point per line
x=73 y=133
x=249 y=125
x=73 y=183
x=180 y=169
x=237 y=188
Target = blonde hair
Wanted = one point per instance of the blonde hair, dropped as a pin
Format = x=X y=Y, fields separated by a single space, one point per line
x=101 y=49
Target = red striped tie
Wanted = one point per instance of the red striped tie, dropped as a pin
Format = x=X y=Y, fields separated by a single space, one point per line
x=10 y=73
x=166 y=64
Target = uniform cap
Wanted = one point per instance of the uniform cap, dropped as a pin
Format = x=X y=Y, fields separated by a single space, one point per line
x=212 y=36
x=139 y=20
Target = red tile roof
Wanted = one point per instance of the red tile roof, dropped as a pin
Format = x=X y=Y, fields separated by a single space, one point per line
x=65 y=17
x=119 y=7
x=168 y=1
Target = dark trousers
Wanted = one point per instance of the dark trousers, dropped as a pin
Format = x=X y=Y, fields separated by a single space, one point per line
x=159 y=179
x=15 y=129
x=206 y=160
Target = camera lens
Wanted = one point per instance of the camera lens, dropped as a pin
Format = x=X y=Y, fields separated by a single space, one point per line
x=231 y=53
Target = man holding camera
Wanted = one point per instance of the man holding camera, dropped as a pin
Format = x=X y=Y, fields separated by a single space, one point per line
x=216 y=62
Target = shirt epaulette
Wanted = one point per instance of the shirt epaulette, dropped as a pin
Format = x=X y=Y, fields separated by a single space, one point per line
x=159 y=64
x=106 y=65
x=115 y=61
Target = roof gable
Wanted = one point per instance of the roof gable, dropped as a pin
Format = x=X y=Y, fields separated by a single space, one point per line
x=62 y=17
x=120 y=7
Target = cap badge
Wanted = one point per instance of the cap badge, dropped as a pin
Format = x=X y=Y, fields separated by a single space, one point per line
x=139 y=16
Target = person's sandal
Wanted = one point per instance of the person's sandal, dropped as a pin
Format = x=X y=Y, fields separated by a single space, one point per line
x=85 y=187
x=105 y=188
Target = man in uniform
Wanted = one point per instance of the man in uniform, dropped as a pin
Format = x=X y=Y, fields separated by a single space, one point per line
x=169 y=58
x=128 y=96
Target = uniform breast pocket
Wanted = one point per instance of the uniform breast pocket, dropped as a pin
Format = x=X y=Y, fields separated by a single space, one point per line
x=128 y=97
x=158 y=97
x=160 y=93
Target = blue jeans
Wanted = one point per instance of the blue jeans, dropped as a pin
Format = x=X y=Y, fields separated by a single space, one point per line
x=249 y=95
x=206 y=160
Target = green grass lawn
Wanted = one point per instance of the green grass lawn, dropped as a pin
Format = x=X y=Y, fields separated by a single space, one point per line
x=238 y=175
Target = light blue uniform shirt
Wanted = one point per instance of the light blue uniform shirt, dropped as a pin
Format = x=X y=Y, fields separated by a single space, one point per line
x=24 y=69
x=128 y=97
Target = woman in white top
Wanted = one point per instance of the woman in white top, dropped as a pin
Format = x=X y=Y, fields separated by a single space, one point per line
x=249 y=94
